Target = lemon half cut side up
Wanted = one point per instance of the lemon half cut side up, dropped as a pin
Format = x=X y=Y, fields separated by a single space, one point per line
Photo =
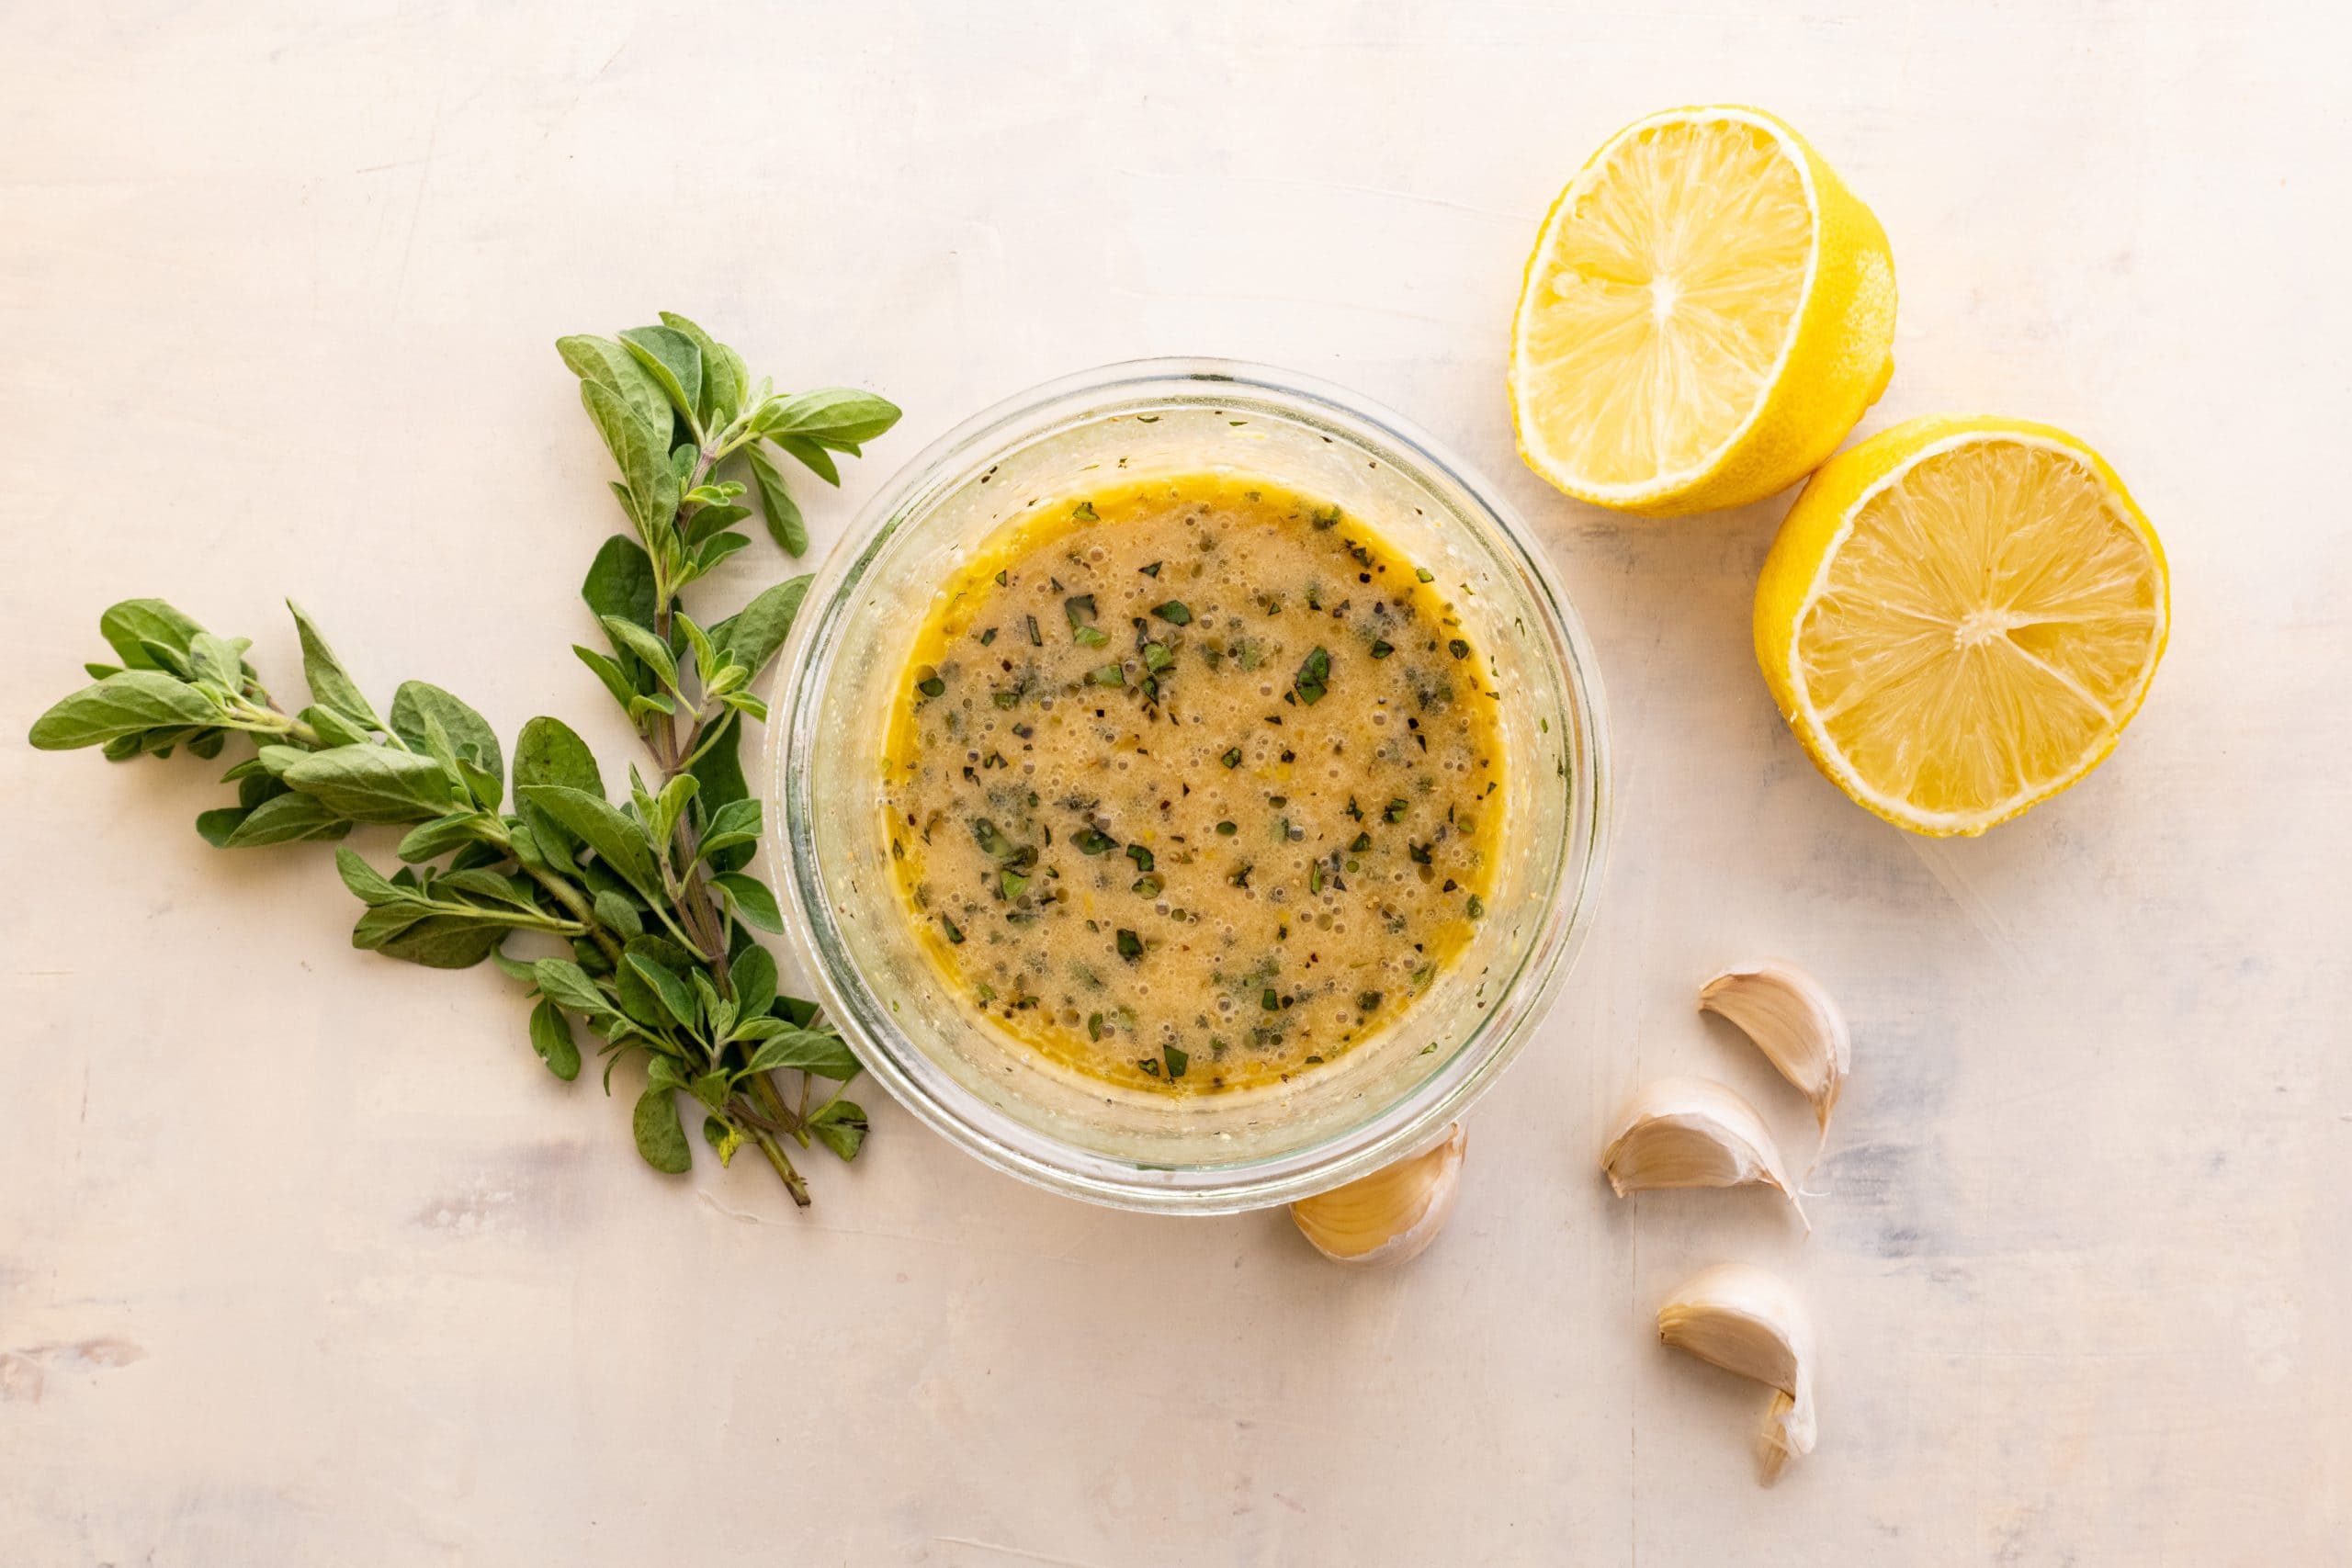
x=1959 y=617
x=1706 y=314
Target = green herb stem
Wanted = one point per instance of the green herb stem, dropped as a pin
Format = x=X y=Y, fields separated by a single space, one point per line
x=609 y=879
x=783 y=1165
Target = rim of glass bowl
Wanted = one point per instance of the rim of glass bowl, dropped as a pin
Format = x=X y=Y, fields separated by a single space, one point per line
x=1003 y=1141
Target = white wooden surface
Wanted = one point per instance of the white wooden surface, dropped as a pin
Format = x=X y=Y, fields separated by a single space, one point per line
x=304 y=1260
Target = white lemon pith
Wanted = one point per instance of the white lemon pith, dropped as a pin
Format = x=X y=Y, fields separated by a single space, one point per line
x=1960 y=616
x=1707 y=312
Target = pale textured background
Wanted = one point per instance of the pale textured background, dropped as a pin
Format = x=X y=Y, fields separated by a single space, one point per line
x=304 y=1260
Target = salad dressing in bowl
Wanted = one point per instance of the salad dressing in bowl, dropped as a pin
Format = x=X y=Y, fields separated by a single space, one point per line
x=1443 y=729
x=1189 y=784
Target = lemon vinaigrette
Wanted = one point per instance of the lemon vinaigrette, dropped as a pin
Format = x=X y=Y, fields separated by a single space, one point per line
x=1193 y=782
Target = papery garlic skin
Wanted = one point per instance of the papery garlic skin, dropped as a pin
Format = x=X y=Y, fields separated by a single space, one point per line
x=1747 y=1320
x=1794 y=1020
x=1390 y=1216
x=1684 y=1132
x=1782 y=1440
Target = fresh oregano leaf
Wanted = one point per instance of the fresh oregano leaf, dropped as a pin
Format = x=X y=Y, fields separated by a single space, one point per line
x=785 y=526
x=717 y=1011
x=650 y=484
x=135 y=623
x=840 y=1125
x=743 y=702
x=754 y=902
x=169 y=659
x=620 y=583
x=218 y=659
x=551 y=1038
x=419 y=704
x=216 y=827
x=715 y=550
x=737 y=822
x=614 y=368
x=816 y=1051
x=811 y=455
x=707 y=658
x=677 y=998
x=431 y=841
x=753 y=978
x=675 y=363
x=480 y=886
x=535 y=833
x=760 y=628
x=720 y=770
x=562 y=981
x=367 y=883
x=121 y=706
x=667 y=806
x=276 y=760
x=617 y=913
x=660 y=1138
x=374 y=784
x=633 y=639
x=331 y=685
x=333 y=727
x=835 y=415
x=617 y=841
x=549 y=752
x=435 y=941
x=724 y=379
x=711 y=519
x=286 y=818
x=608 y=670
x=513 y=968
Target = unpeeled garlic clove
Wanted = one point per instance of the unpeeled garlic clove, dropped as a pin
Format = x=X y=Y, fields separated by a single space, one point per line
x=1693 y=1132
x=1794 y=1022
x=1746 y=1320
x=1392 y=1214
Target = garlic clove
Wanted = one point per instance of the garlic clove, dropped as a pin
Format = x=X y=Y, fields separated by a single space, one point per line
x=1747 y=1320
x=1693 y=1132
x=1794 y=1022
x=1389 y=1216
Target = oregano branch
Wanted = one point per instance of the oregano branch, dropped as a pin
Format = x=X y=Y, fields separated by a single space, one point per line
x=645 y=899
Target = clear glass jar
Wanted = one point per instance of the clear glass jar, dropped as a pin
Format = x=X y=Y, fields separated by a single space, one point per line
x=1387 y=1095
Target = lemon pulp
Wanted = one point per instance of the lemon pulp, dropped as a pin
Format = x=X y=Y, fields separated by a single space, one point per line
x=1707 y=312
x=1984 y=611
x=1668 y=301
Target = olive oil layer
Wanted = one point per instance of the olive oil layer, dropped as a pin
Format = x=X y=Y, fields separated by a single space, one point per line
x=1193 y=783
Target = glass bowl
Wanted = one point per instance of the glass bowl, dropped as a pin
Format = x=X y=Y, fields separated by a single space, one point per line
x=1388 y=1096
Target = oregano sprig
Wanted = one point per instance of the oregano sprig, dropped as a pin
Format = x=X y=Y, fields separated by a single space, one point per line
x=646 y=900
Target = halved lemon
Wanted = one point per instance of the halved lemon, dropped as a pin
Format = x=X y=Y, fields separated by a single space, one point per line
x=1707 y=312
x=1959 y=617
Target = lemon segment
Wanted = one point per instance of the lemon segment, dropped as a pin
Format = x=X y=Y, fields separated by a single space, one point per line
x=1707 y=312
x=1959 y=617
